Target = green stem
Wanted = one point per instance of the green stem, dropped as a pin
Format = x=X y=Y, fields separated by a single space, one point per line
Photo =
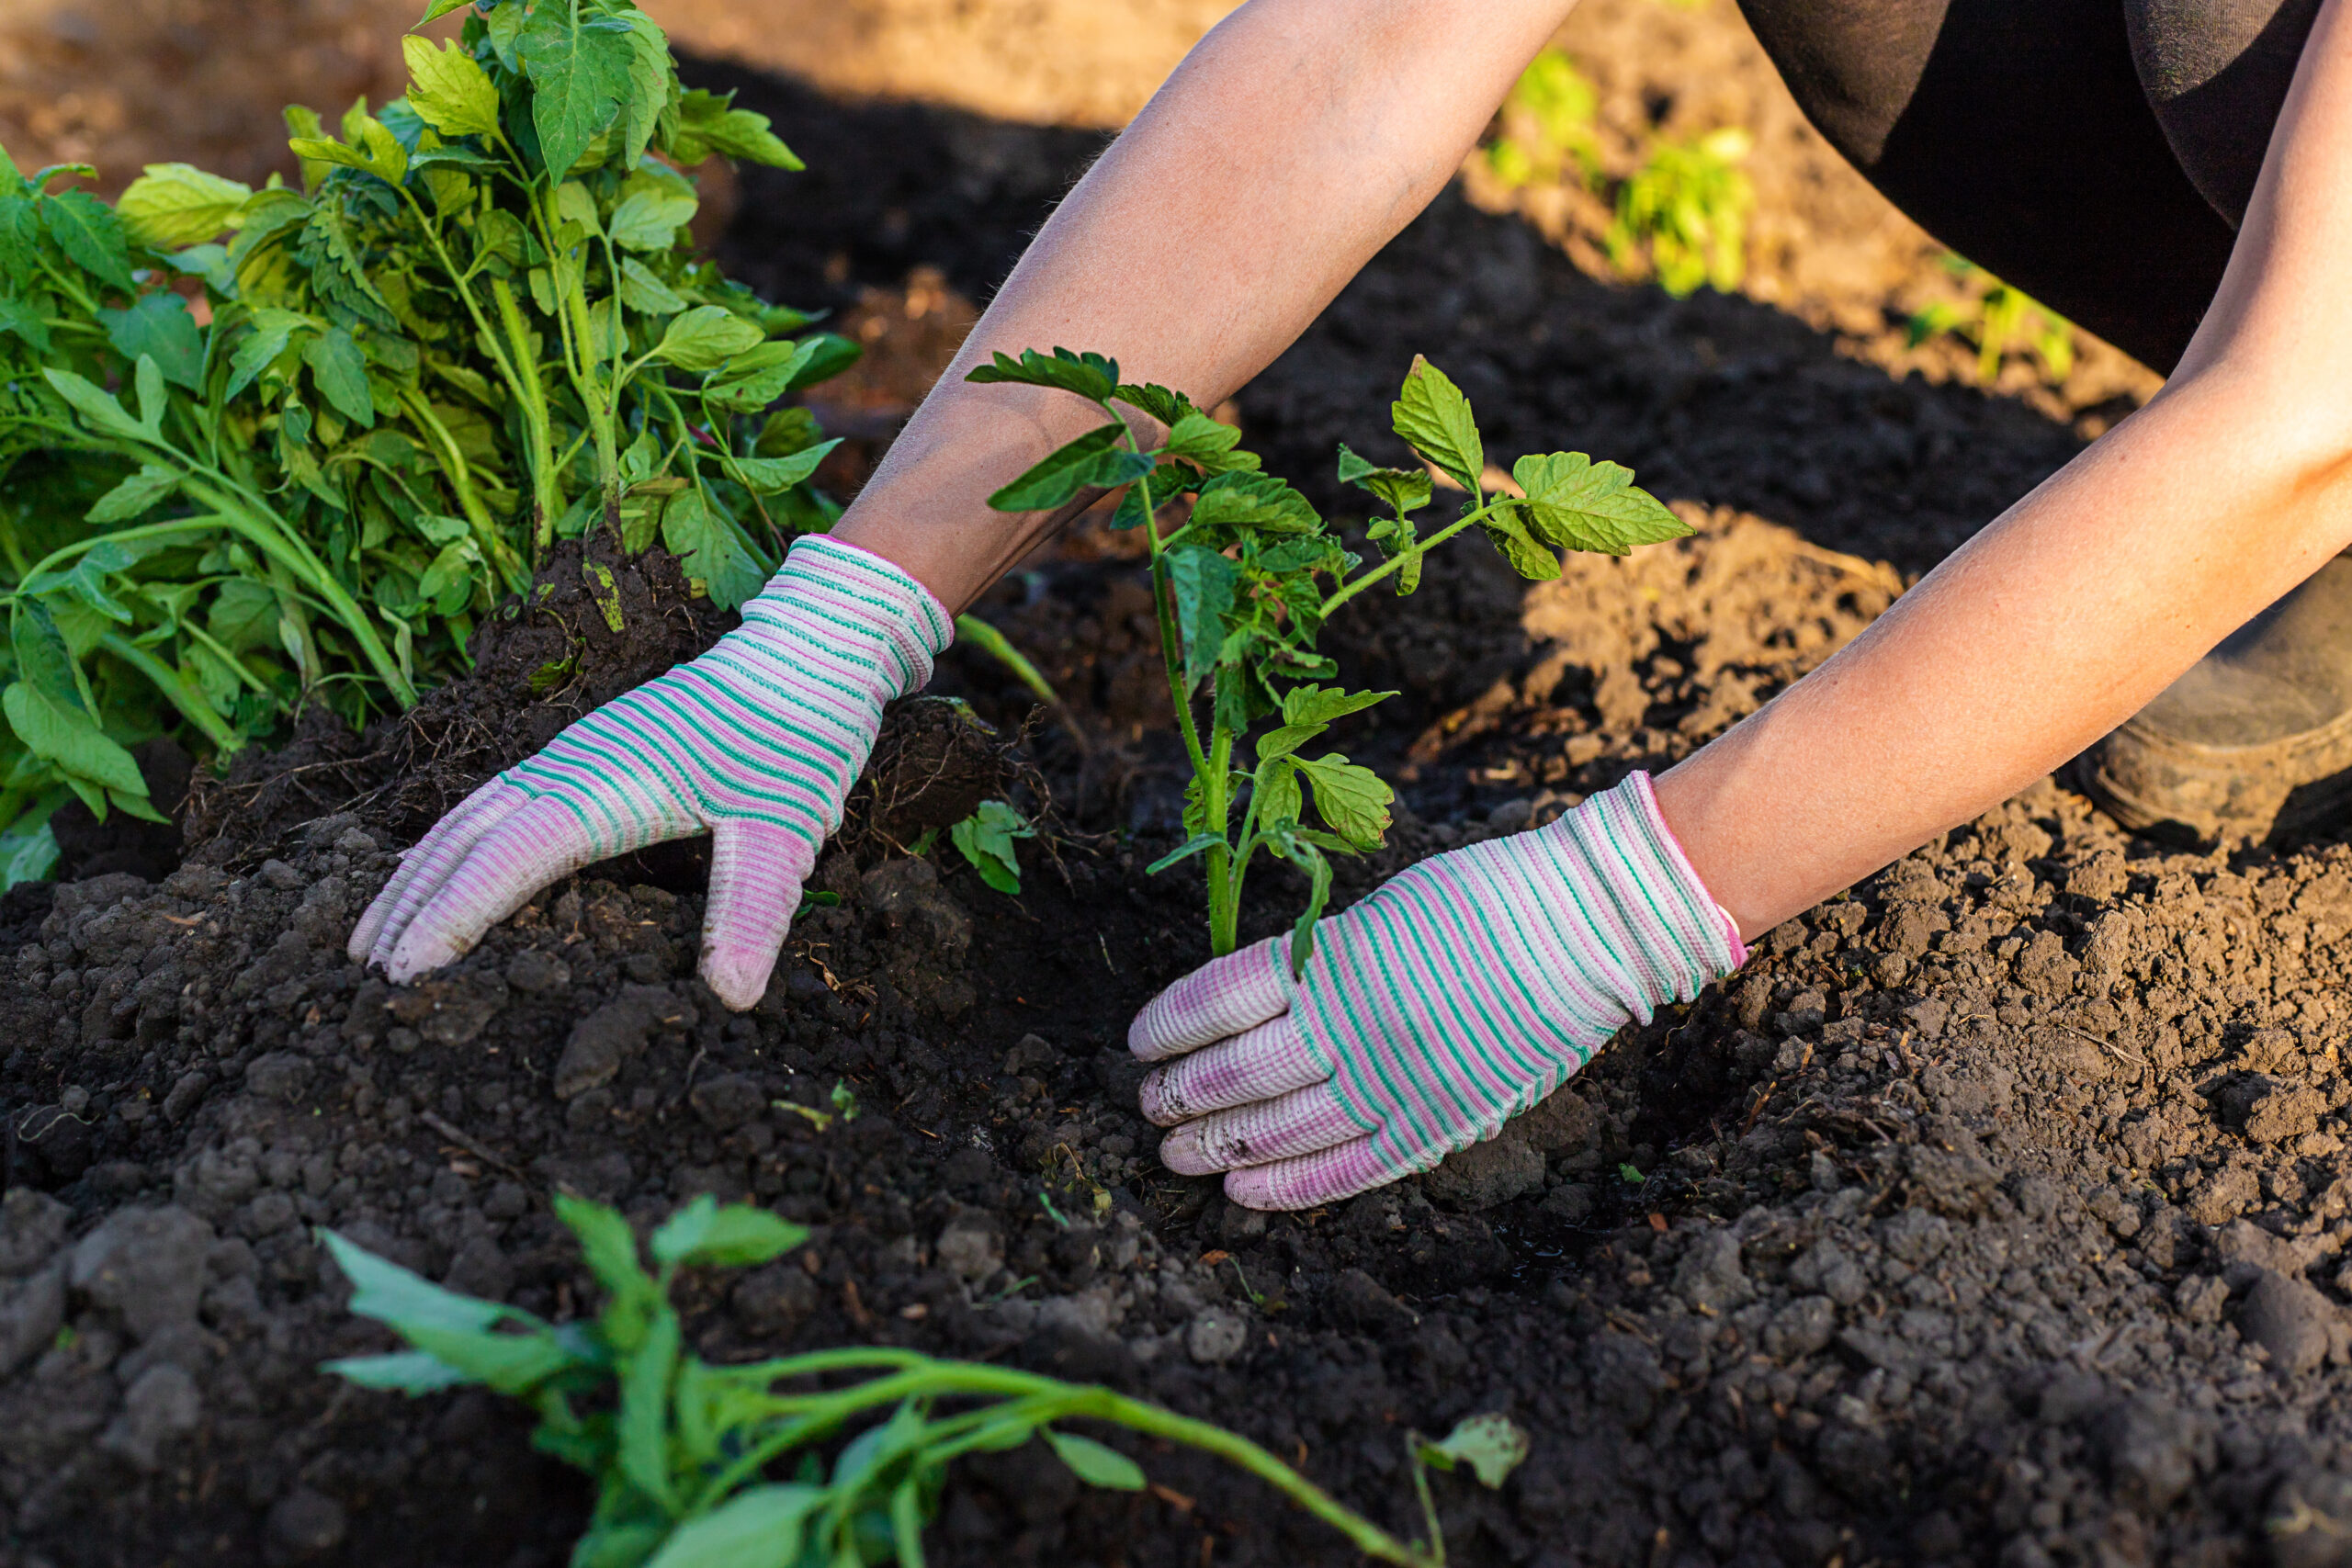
x=1392 y=563
x=167 y=679
x=446 y=451
x=546 y=501
x=1225 y=888
x=989 y=641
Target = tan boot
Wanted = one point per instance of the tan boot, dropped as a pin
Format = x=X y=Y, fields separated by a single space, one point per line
x=2255 y=739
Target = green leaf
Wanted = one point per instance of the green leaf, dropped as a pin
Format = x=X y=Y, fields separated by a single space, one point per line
x=1279 y=799
x=574 y=205
x=407 y=1371
x=1201 y=582
x=760 y=375
x=757 y=1529
x=440 y=9
x=43 y=656
x=708 y=123
x=449 y=89
x=607 y=1245
x=86 y=230
x=986 y=840
x=153 y=401
x=24 y=319
x=92 y=404
x=706 y=337
x=1095 y=461
x=243 y=616
x=714 y=553
x=1491 y=1445
x=1403 y=490
x=1254 y=500
x=1528 y=557
x=1167 y=407
x=173 y=206
x=402 y=1300
x=271 y=331
x=579 y=67
x=27 y=854
x=1352 y=800
x=766 y=476
x=1204 y=442
x=1088 y=375
x=340 y=371
x=159 y=326
x=1194 y=845
x=651 y=79
x=147 y=488
x=507 y=1363
x=644 y=293
x=644 y=1424
x=1578 y=504
x=1321 y=704
x=1281 y=742
x=1093 y=1463
x=1297 y=849
x=1433 y=416
x=736 y=1235
x=650 y=213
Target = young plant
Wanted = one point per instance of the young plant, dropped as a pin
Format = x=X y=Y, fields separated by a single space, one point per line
x=1545 y=126
x=1996 y=318
x=1688 y=206
x=478 y=326
x=1248 y=572
x=687 y=1456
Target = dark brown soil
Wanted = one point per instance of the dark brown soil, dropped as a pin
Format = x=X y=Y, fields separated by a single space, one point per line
x=1997 y=1213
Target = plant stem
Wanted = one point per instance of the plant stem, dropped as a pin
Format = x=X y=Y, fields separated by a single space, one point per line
x=992 y=642
x=546 y=501
x=1225 y=888
x=1342 y=595
x=194 y=708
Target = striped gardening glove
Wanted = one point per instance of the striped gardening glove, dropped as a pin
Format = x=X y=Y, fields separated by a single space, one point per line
x=1456 y=995
x=756 y=742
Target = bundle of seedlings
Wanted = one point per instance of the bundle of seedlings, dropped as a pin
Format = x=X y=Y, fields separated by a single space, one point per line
x=703 y=1466
x=264 y=450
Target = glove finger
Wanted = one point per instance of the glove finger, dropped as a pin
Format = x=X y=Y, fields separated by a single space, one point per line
x=1308 y=1181
x=1221 y=998
x=1298 y=1122
x=427 y=866
x=757 y=869
x=1267 y=1061
x=543 y=841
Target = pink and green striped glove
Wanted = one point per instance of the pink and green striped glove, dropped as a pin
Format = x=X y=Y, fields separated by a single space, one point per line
x=1456 y=995
x=756 y=742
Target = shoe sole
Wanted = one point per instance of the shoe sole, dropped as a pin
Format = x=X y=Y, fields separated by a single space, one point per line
x=2153 y=783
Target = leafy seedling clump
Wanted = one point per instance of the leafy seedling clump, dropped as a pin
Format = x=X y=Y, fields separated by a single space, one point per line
x=264 y=449
x=703 y=1466
x=1245 y=572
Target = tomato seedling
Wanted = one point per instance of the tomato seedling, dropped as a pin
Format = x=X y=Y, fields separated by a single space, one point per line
x=684 y=1453
x=1249 y=572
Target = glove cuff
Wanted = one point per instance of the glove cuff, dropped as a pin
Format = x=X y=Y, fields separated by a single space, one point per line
x=861 y=594
x=1667 y=934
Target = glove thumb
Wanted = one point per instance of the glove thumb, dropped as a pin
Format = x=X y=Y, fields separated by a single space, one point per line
x=757 y=869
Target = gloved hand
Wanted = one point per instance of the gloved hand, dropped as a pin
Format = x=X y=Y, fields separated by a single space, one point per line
x=756 y=742
x=1456 y=995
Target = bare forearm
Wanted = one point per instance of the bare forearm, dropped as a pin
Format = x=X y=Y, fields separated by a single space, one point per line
x=1293 y=142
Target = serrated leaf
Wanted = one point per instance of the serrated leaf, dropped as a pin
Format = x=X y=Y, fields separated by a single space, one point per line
x=173 y=206
x=1094 y=1463
x=87 y=230
x=650 y=78
x=736 y=1235
x=340 y=371
x=1403 y=490
x=43 y=657
x=578 y=70
x=1201 y=582
x=1095 y=461
x=159 y=326
x=706 y=337
x=449 y=88
x=1491 y=1445
x=1166 y=406
x=1578 y=504
x=1209 y=445
x=23 y=319
x=607 y=1245
x=1088 y=375
x=270 y=332
x=1254 y=500
x=1321 y=704
x=440 y=9
x=1527 y=555
x=1279 y=797
x=649 y=215
x=1434 y=418
x=643 y=1427
x=757 y=1529
x=1352 y=800
x=986 y=841
x=708 y=123
x=146 y=488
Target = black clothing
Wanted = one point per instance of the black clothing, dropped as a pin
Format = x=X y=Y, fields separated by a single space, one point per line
x=2097 y=153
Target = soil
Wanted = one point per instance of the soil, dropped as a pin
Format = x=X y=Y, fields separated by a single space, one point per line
x=1995 y=1213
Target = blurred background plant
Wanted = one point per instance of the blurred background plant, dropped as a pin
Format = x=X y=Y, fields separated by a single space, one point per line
x=1998 y=319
